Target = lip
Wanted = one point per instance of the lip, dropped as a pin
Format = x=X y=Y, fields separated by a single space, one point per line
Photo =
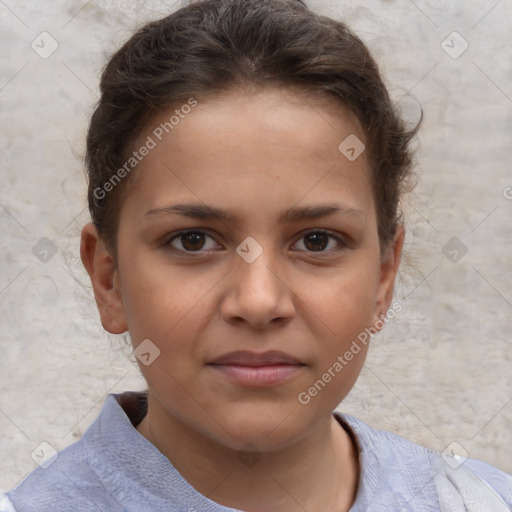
x=255 y=359
x=257 y=369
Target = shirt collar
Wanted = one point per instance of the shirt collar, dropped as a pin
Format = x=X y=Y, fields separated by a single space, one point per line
x=122 y=412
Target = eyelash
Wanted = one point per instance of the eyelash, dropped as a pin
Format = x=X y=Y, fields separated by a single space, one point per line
x=341 y=241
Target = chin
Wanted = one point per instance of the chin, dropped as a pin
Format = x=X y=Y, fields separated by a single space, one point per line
x=267 y=428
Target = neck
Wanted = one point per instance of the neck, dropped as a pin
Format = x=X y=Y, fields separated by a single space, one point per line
x=318 y=472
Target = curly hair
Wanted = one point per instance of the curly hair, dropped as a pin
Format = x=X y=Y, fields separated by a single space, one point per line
x=214 y=46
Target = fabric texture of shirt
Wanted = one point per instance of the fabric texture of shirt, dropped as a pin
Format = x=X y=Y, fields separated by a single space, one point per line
x=114 y=468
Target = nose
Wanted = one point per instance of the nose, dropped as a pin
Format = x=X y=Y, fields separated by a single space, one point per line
x=257 y=293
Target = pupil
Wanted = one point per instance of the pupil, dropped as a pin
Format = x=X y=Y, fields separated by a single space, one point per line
x=192 y=241
x=317 y=238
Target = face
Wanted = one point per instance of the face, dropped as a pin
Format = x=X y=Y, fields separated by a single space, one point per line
x=248 y=254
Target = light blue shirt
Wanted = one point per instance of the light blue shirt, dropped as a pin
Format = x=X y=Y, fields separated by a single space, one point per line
x=114 y=468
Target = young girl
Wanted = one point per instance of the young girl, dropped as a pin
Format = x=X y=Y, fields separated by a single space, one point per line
x=245 y=166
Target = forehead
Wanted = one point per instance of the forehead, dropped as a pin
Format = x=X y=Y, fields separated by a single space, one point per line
x=299 y=117
x=274 y=146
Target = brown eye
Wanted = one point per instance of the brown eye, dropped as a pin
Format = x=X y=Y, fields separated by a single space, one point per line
x=190 y=241
x=319 y=241
x=316 y=241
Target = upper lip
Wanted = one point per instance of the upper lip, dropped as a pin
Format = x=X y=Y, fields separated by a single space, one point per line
x=255 y=359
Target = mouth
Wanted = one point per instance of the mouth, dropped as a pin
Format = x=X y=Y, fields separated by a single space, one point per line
x=257 y=369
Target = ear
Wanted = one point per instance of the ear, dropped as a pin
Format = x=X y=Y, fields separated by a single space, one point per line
x=102 y=270
x=390 y=261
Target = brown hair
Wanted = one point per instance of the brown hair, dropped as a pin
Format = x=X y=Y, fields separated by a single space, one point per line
x=212 y=46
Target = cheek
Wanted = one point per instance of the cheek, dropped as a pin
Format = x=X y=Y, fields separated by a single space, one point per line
x=345 y=302
x=168 y=307
x=340 y=354
x=172 y=308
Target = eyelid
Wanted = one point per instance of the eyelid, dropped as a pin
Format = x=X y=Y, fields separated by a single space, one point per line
x=341 y=239
x=166 y=242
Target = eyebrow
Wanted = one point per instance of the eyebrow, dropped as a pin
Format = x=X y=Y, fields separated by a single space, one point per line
x=202 y=211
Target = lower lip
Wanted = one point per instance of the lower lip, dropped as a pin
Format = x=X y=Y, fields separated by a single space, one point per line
x=258 y=375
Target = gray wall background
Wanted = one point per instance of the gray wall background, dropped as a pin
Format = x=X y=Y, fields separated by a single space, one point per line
x=439 y=374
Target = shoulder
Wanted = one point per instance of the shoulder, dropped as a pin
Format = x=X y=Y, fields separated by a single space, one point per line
x=112 y=468
x=419 y=474
x=69 y=480
x=383 y=450
x=472 y=484
x=68 y=483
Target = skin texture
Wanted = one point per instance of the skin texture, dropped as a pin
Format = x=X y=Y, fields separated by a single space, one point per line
x=256 y=154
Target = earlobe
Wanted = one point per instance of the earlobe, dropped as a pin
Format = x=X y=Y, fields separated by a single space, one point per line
x=101 y=267
x=389 y=266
